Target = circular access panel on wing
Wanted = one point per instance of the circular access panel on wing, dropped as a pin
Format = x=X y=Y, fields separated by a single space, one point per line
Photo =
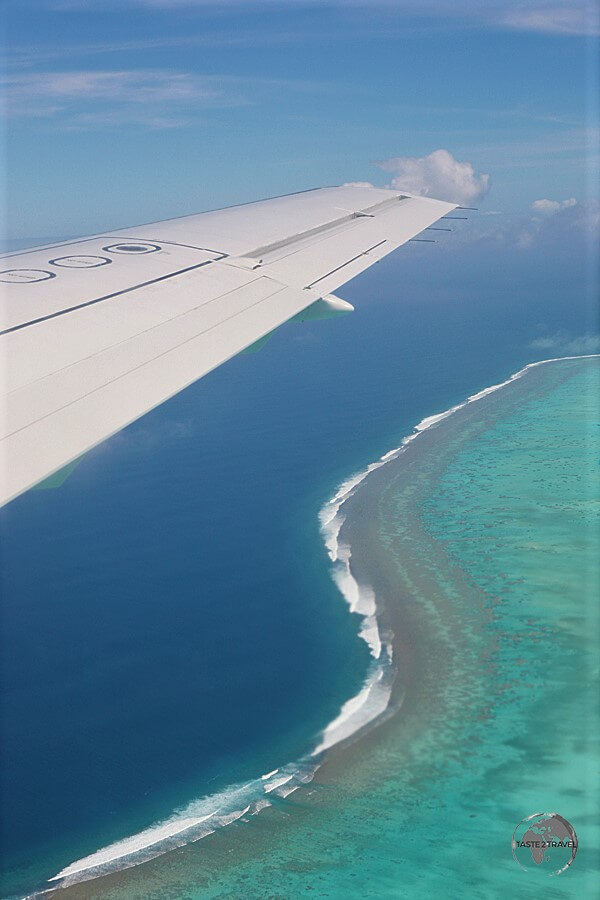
x=80 y=262
x=25 y=276
x=133 y=247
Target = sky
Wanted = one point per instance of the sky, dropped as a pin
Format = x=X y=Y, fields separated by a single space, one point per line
x=118 y=113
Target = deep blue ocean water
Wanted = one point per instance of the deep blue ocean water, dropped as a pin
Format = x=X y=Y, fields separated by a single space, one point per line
x=169 y=625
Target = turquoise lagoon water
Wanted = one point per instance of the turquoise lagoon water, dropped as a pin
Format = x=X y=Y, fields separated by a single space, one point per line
x=480 y=540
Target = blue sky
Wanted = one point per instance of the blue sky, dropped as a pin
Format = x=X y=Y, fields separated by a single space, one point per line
x=119 y=113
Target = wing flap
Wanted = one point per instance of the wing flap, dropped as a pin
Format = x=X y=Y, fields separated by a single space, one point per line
x=335 y=257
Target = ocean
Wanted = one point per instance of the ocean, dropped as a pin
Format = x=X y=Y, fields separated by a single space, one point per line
x=171 y=631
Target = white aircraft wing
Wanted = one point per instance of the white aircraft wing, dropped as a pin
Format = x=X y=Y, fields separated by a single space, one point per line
x=96 y=332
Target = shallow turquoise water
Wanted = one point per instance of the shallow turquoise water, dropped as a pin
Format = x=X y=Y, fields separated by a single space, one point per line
x=518 y=509
x=481 y=543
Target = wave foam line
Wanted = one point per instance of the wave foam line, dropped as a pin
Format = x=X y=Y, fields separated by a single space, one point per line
x=331 y=518
x=375 y=695
x=361 y=710
x=191 y=823
x=202 y=817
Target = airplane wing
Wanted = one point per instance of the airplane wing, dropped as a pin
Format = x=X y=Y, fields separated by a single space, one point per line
x=96 y=332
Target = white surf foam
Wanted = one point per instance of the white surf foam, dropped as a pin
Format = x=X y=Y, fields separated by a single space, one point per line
x=275 y=783
x=284 y=792
x=150 y=837
x=360 y=710
x=331 y=516
x=191 y=823
x=374 y=697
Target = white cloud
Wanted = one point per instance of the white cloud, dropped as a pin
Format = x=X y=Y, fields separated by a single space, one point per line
x=554 y=225
x=111 y=97
x=555 y=220
x=550 y=207
x=140 y=86
x=157 y=98
x=565 y=344
x=558 y=17
x=524 y=239
x=437 y=175
x=546 y=207
x=577 y=18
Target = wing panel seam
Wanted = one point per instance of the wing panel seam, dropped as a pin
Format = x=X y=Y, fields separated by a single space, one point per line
x=347 y=263
x=135 y=287
x=152 y=328
x=146 y=363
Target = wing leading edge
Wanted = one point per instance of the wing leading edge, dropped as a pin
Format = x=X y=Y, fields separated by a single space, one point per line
x=97 y=332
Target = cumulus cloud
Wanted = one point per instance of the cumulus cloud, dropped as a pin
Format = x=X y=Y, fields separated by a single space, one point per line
x=437 y=175
x=551 y=224
x=563 y=343
x=550 y=207
x=555 y=220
